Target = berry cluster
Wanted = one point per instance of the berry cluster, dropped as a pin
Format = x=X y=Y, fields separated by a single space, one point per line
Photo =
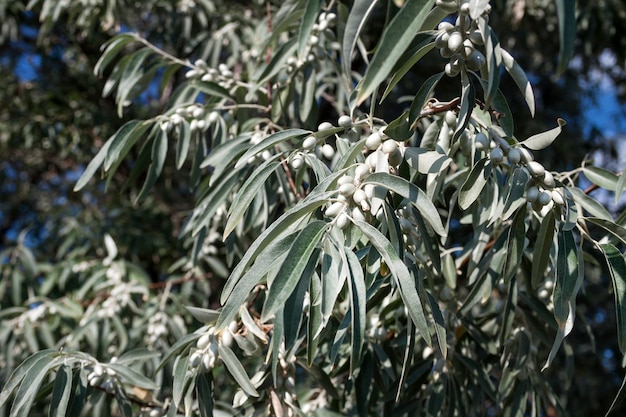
x=321 y=35
x=459 y=42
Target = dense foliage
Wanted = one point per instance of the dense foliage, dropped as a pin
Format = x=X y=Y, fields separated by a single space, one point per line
x=285 y=222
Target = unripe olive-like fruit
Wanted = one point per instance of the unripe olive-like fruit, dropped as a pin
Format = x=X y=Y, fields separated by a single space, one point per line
x=451 y=71
x=357 y=214
x=448 y=6
x=389 y=146
x=373 y=141
x=445 y=26
x=362 y=171
x=328 y=151
x=548 y=179
x=203 y=342
x=468 y=48
x=208 y=360
x=325 y=126
x=532 y=194
x=481 y=141
x=446 y=52
x=457 y=62
x=466 y=143
x=335 y=209
x=227 y=338
x=496 y=155
x=557 y=197
x=514 y=156
x=345 y=179
x=450 y=119
x=442 y=40
x=194 y=359
x=359 y=196
x=544 y=198
x=527 y=156
x=405 y=225
x=309 y=143
x=535 y=169
x=342 y=220
x=197 y=112
x=455 y=41
x=213 y=117
x=395 y=158
x=476 y=37
x=345 y=121
x=98 y=370
x=476 y=60
x=462 y=21
x=347 y=189
x=297 y=162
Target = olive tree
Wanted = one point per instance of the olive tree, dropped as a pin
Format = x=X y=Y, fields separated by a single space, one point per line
x=422 y=265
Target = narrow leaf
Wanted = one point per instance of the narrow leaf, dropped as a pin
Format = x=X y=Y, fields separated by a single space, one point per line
x=293 y=266
x=237 y=370
x=566 y=13
x=61 y=392
x=544 y=139
x=310 y=16
x=395 y=39
x=520 y=78
x=358 y=299
x=269 y=142
x=542 y=249
x=617 y=270
x=406 y=283
x=474 y=184
x=414 y=194
x=246 y=194
x=359 y=13
x=566 y=276
x=417 y=105
x=203 y=315
x=590 y=204
x=601 y=177
x=425 y=161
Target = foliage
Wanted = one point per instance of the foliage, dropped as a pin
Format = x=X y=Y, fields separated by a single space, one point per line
x=420 y=264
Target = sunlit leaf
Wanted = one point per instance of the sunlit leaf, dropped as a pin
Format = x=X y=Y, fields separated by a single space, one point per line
x=396 y=37
x=406 y=283
x=544 y=139
x=413 y=194
x=474 y=184
x=359 y=12
x=246 y=194
x=237 y=370
x=293 y=266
